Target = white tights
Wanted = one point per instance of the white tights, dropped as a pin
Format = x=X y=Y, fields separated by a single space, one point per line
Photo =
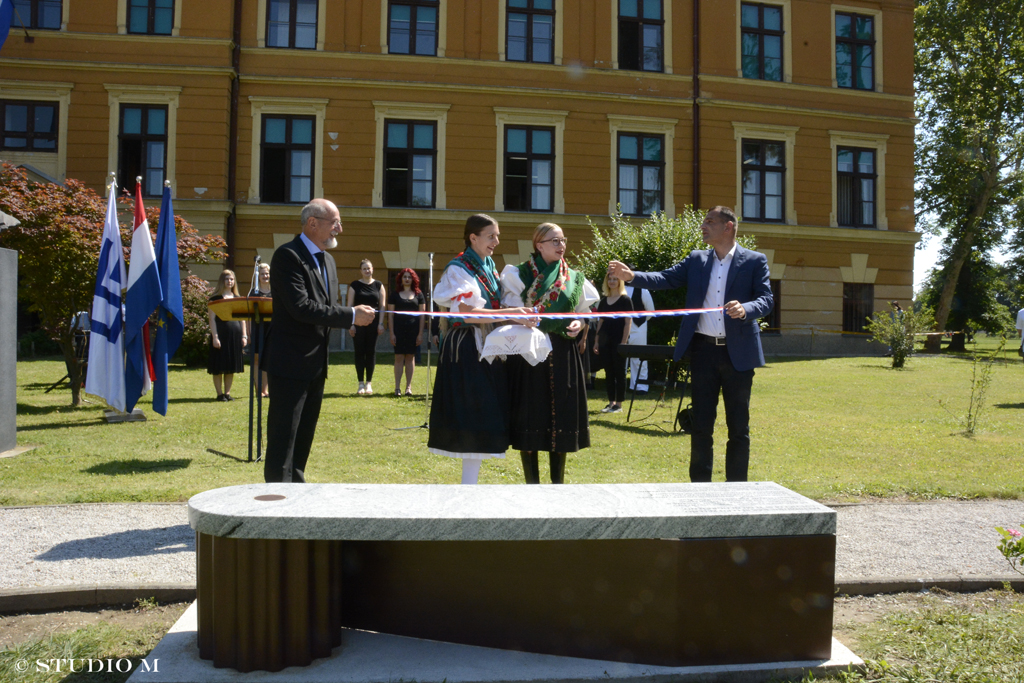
x=470 y=470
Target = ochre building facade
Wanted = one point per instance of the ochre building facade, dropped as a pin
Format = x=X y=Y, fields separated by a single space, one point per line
x=411 y=114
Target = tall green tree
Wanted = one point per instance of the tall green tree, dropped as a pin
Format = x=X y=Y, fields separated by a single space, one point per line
x=969 y=73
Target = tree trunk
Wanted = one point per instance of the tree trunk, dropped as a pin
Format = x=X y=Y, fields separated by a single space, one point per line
x=958 y=342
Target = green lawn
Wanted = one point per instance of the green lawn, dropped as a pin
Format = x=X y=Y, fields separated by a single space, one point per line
x=832 y=429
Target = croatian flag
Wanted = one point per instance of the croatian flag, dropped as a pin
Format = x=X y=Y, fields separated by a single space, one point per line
x=6 y=15
x=141 y=300
x=170 y=315
x=105 y=377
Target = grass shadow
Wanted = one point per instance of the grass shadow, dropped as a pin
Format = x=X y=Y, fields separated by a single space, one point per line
x=28 y=409
x=134 y=466
x=650 y=429
x=1012 y=406
x=122 y=544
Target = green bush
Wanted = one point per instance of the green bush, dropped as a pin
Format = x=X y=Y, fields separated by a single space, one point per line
x=897 y=328
x=656 y=243
x=194 y=349
x=37 y=343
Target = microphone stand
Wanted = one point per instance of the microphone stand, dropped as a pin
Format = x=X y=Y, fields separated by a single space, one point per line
x=429 y=307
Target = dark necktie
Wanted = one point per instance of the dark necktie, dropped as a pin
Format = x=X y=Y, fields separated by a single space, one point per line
x=323 y=267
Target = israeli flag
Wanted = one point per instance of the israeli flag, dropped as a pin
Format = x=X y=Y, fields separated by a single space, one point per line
x=105 y=376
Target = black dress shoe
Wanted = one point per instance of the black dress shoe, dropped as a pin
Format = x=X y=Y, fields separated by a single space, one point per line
x=220 y=397
x=229 y=397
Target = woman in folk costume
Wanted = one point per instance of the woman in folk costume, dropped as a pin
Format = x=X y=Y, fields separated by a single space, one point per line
x=469 y=412
x=549 y=400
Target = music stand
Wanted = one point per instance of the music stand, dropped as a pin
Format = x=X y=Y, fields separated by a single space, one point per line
x=649 y=352
x=255 y=310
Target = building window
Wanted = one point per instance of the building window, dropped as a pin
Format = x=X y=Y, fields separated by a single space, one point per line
x=152 y=17
x=641 y=165
x=529 y=168
x=412 y=27
x=292 y=23
x=641 y=30
x=762 y=41
x=855 y=51
x=410 y=163
x=142 y=147
x=286 y=173
x=764 y=171
x=37 y=14
x=774 y=318
x=530 y=31
x=858 y=305
x=855 y=187
x=29 y=126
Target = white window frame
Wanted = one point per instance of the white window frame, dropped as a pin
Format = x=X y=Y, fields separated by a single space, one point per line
x=261 y=25
x=877 y=14
x=644 y=124
x=53 y=163
x=761 y=131
x=875 y=141
x=410 y=111
x=143 y=94
x=504 y=116
x=122 y=19
x=300 y=106
x=503 y=42
x=787 y=40
x=442 y=28
x=666 y=38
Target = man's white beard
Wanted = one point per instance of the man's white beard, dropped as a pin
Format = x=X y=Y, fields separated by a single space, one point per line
x=332 y=243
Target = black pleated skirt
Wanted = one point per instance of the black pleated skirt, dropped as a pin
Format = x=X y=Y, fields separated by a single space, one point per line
x=469 y=409
x=549 y=401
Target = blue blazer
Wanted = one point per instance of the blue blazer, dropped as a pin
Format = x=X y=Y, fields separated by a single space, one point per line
x=747 y=283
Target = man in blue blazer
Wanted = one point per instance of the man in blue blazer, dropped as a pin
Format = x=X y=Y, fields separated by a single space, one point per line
x=724 y=345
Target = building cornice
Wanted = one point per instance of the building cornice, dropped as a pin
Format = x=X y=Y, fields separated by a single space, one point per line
x=818 y=89
x=119 y=67
x=806 y=111
x=815 y=232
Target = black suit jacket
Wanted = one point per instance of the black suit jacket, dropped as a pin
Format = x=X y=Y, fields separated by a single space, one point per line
x=304 y=312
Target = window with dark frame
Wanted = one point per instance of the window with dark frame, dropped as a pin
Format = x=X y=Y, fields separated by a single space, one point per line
x=151 y=17
x=44 y=14
x=641 y=35
x=855 y=187
x=858 y=305
x=142 y=147
x=529 y=168
x=412 y=27
x=764 y=180
x=29 y=126
x=286 y=159
x=292 y=24
x=761 y=41
x=530 y=31
x=774 y=318
x=410 y=163
x=855 y=51
x=641 y=171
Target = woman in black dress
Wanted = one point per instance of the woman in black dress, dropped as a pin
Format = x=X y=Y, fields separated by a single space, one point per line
x=549 y=400
x=610 y=333
x=369 y=292
x=406 y=330
x=226 y=340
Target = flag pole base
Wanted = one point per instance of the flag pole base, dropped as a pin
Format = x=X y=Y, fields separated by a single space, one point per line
x=112 y=416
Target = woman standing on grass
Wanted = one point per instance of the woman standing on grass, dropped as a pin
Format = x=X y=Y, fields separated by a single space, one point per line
x=549 y=400
x=369 y=292
x=227 y=337
x=406 y=330
x=610 y=333
x=469 y=413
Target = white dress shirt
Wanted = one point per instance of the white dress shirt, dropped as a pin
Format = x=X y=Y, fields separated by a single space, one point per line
x=713 y=324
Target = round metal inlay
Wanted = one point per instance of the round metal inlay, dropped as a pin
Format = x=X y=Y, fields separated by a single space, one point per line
x=270 y=496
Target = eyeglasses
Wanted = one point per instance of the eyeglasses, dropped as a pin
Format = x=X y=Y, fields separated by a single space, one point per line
x=334 y=221
x=557 y=241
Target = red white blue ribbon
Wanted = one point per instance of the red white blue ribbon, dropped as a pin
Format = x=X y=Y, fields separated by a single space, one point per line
x=504 y=314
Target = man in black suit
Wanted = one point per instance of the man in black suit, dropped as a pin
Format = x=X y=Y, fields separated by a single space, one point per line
x=724 y=345
x=304 y=286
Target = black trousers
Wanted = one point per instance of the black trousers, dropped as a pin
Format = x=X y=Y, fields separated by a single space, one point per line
x=615 y=372
x=365 y=345
x=291 y=423
x=711 y=373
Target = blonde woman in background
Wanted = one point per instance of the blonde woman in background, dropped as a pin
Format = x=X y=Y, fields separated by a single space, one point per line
x=227 y=337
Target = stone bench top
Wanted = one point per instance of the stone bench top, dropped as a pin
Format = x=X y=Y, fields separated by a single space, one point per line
x=411 y=512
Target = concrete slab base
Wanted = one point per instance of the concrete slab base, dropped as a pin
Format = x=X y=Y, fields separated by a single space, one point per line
x=112 y=416
x=366 y=657
x=17 y=450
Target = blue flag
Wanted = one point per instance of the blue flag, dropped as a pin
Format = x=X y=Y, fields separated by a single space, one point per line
x=6 y=15
x=170 y=317
x=144 y=295
x=105 y=377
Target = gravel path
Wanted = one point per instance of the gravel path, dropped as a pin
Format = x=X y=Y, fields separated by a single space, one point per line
x=67 y=545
